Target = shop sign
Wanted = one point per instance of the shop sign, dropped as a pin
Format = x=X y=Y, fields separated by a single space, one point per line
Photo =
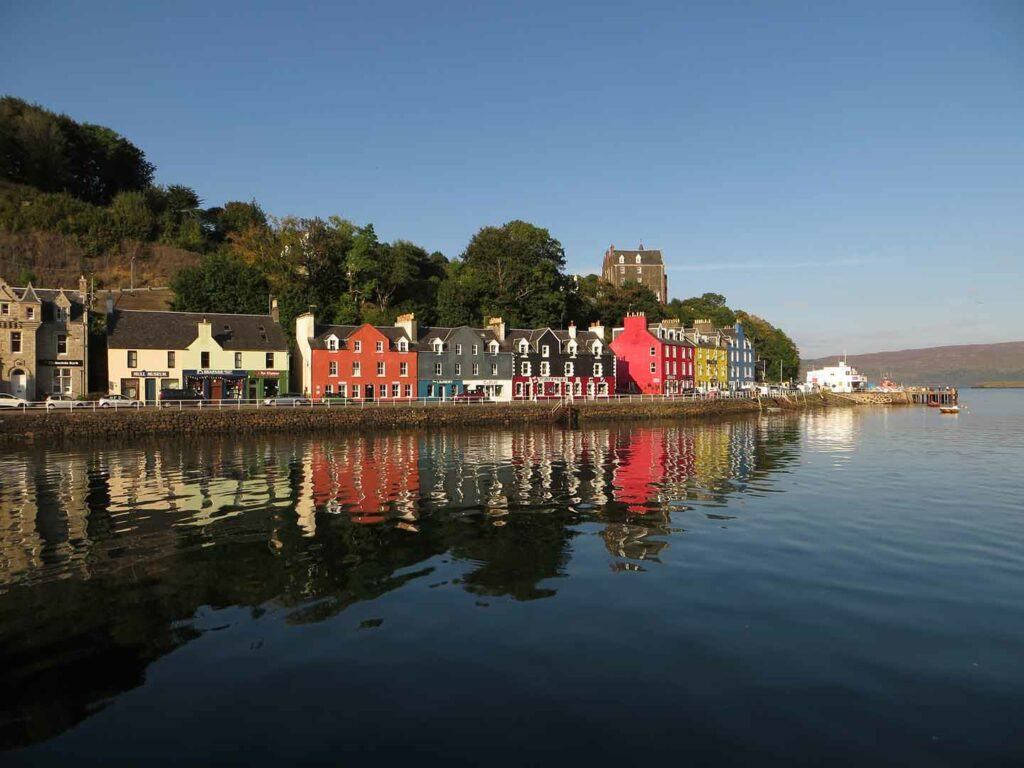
x=265 y=374
x=149 y=374
x=62 y=363
x=208 y=372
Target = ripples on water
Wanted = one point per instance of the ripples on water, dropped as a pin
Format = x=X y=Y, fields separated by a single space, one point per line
x=848 y=579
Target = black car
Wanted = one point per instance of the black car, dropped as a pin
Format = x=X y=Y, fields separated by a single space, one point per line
x=180 y=395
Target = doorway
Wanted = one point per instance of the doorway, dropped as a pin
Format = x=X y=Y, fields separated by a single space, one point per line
x=150 y=390
x=19 y=383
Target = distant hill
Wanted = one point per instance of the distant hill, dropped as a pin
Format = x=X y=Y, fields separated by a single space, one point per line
x=959 y=366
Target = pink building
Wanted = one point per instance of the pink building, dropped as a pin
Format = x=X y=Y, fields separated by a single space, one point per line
x=652 y=359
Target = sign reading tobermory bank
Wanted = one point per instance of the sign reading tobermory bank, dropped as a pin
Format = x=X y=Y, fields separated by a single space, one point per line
x=62 y=363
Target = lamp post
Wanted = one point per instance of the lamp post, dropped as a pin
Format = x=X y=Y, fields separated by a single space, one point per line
x=133 y=272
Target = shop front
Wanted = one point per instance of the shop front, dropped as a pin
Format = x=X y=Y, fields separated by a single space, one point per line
x=144 y=385
x=235 y=384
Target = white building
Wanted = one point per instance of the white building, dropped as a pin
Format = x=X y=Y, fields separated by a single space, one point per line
x=837 y=378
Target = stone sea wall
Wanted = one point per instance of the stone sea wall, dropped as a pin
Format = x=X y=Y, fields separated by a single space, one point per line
x=62 y=426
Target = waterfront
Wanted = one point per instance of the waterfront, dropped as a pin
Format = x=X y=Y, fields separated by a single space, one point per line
x=838 y=586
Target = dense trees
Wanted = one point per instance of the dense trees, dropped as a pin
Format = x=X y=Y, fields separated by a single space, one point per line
x=92 y=185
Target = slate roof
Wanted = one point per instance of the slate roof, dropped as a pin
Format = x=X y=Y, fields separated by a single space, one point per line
x=393 y=333
x=47 y=297
x=138 y=329
x=647 y=258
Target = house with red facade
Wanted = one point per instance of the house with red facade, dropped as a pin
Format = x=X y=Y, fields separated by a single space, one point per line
x=652 y=359
x=356 y=362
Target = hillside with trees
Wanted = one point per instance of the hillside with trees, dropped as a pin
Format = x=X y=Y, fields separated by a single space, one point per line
x=77 y=198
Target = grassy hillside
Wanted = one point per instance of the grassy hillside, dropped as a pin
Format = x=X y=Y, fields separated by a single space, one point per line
x=959 y=366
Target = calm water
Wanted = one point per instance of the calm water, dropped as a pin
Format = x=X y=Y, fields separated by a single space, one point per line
x=833 y=588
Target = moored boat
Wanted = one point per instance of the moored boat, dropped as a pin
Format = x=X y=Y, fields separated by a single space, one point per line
x=949 y=409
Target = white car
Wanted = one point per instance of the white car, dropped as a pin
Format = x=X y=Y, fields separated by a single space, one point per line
x=118 y=401
x=289 y=399
x=10 y=401
x=64 y=401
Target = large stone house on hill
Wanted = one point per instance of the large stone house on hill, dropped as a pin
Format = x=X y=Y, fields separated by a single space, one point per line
x=646 y=267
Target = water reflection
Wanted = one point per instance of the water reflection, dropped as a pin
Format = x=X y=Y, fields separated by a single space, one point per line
x=108 y=555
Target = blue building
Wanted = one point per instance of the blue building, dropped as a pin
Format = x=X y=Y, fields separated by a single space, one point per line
x=741 y=357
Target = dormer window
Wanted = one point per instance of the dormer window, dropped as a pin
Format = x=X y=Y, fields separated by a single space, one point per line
x=638 y=258
x=571 y=348
x=597 y=348
x=403 y=345
x=438 y=346
x=494 y=348
x=30 y=313
x=523 y=347
x=58 y=314
x=622 y=259
x=332 y=343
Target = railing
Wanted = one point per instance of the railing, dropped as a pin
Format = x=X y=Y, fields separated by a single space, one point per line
x=78 y=406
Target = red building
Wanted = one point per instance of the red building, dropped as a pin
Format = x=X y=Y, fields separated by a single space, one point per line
x=652 y=359
x=363 y=362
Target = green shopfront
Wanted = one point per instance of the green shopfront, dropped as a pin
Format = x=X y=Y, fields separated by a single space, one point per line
x=235 y=384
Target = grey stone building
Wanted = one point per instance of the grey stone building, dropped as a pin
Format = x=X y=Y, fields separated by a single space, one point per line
x=646 y=267
x=451 y=361
x=44 y=341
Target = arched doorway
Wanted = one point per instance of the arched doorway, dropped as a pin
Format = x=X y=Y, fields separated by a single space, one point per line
x=19 y=383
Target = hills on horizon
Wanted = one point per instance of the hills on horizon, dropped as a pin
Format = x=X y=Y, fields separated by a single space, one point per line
x=959 y=365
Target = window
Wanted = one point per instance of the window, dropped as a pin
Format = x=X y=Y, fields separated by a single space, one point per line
x=545 y=369
x=358 y=346
x=519 y=389
x=597 y=348
x=204 y=359
x=494 y=369
x=357 y=369
x=571 y=349
x=380 y=369
x=525 y=369
x=545 y=351
x=16 y=341
x=332 y=343
x=394 y=390
x=622 y=270
x=458 y=369
x=476 y=349
x=380 y=346
x=270 y=360
x=332 y=368
x=62 y=344
x=408 y=390
x=328 y=389
x=476 y=369
x=653 y=351
x=238 y=359
x=170 y=359
x=438 y=346
x=568 y=369
x=62 y=381
x=577 y=388
x=383 y=390
x=133 y=359
x=403 y=345
x=638 y=258
x=30 y=313
x=458 y=349
x=5 y=309
x=494 y=347
x=622 y=259
x=58 y=314
x=341 y=389
x=523 y=347
x=430 y=390
x=355 y=391
x=654 y=367
x=598 y=369
x=403 y=369
x=438 y=369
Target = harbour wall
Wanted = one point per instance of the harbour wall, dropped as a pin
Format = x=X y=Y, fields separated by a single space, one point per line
x=60 y=427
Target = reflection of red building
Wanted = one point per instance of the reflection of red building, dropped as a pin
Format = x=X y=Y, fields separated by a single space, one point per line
x=652 y=360
x=653 y=466
x=368 y=478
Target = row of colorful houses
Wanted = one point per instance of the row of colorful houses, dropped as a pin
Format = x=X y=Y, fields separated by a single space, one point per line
x=44 y=349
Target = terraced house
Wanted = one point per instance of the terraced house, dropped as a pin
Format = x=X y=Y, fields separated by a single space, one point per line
x=454 y=361
x=44 y=341
x=222 y=356
x=741 y=357
x=357 y=362
x=652 y=359
x=550 y=364
x=711 y=357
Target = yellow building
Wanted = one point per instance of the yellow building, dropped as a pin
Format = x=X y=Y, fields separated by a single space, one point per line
x=710 y=356
x=220 y=356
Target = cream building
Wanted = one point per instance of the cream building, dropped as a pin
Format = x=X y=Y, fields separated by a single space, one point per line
x=224 y=357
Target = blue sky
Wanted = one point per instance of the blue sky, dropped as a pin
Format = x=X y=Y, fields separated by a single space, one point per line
x=852 y=171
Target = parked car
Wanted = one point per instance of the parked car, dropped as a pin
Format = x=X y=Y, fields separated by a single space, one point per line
x=469 y=396
x=118 y=401
x=64 y=401
x=10 y=401
x=289 y=399
x=180 y=396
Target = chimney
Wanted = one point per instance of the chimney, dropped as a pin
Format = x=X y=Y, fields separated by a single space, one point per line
x=408 y=324
x=635 y=321
x=572 y=329
x=497 y=325
x=275 y=312
x=597 y=329
x=205 y=329
x=83 y=289
x=110 y=303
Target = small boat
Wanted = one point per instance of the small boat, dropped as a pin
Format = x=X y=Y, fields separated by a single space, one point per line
x=949 y=409
x=934 y=404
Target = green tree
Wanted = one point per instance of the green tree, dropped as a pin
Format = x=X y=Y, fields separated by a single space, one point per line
x=131 y=217
x=773 y=347
x=708 y=306
x=221 y=283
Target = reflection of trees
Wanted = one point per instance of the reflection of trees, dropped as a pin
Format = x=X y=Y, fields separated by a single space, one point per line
x=108 y=555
